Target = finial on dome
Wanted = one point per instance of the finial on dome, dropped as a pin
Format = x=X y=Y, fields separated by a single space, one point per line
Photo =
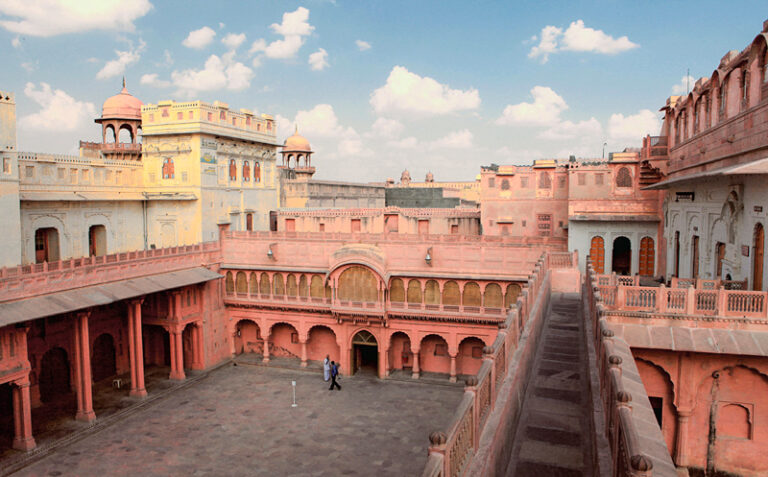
x=123 y=81
x=296 y=128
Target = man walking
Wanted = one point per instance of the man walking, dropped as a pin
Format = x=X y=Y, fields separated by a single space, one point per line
x=334 y=375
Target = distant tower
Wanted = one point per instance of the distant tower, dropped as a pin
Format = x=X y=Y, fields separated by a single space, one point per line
x=430 y=177
x=121 y=112
x=405 y=178
x=297 y=157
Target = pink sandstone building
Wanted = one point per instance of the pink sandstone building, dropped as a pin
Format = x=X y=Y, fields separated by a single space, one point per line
x=676 y=368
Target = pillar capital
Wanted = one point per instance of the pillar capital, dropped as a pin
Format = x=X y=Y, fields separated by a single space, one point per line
x=22 y=382
x=136 y=301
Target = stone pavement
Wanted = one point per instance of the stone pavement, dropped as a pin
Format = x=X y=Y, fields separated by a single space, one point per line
x=553 y=435
x=239 y=421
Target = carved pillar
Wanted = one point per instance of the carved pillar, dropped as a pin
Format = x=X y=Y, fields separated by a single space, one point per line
x=416 y=370
x=197 y=346
x=22 y=417
x=383 y=353
x=453 y=367
x=681 y=440
x=266 y=349
x=136 y=349
x=303 y=341
x=83 y=365
x=177 y=355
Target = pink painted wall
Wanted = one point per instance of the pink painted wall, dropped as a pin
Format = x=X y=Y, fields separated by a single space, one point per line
x=280 y=341
x=322 y=342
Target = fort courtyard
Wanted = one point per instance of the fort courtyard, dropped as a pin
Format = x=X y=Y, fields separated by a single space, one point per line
x=238 y=420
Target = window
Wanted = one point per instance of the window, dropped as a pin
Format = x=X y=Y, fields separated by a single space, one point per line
x=290 y=225
x=223 y=115
x=294 y=337
x=6 y=165
x=454 y=229
x=744 y=87
x=234 y=121
x=582 y=177
x=210 y=116
x=168 y=172
x=97 y=240
x=424 y=227
x=322 y=228
x=544 y=222
x=232 y=170
x=545 y=182
x=189 y=115
x=249 y=222
x=623 y=178
x=723 y=99
x=708 y=109
x=523 y=183
x=246 y=171
x=491 y=182
x=29 y=172
x=505 y=184
x=441 y=349
x=256 y=172
x=165 y=113
x=598 y=179
x=355 y=225
x=696 y=117
x=561 y=182
x=247 y=120
x=179 y=115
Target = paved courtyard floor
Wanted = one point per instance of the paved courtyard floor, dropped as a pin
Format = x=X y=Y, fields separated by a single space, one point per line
x=239 y=421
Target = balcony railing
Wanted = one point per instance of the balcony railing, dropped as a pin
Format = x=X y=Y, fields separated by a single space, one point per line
x=41 y=278
x=710 y=298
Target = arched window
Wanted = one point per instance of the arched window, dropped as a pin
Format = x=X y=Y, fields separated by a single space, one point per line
x=723 y=98
x=230 y=283
x=256 y=172
x=232 y=170
x=492 y=296
x=396 y=291
x=246 y=171
x=623 y=178
x=471 y=295
x=168 y=168
x=241 y=283
x=597 y=254
x=126 y=134
x=358 y=284
x=544 y=181
x=504 y=184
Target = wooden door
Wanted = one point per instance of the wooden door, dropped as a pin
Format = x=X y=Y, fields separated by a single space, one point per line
x=757 y=268
x=249 y=222
x=695 y=256
x=597 y=254
x=647 y=256
x=720 y=257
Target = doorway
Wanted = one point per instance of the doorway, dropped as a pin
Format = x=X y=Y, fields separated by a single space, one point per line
x=647 y=257
x=54 y=375
x=695 y=257
x=622 y=256
x=677 y=254
x=720 y=250
x=103 y=363
x=46 y=245
x=365 y=353
x=597 y=254
x=97 y=240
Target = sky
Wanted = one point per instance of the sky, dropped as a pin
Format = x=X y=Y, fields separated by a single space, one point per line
x=376 y=86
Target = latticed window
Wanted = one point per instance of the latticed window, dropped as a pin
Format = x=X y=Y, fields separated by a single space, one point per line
x=544 y=181
x=505 y=184
x=168 y=168
x=256 y=172
x=246 y=171
x=232 y=170
x=623 y=178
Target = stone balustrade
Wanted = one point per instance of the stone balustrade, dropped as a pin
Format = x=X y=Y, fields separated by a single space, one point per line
x=25 y=281
x=625 y=403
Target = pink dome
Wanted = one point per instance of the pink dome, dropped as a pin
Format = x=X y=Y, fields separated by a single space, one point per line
x=296 y=143
x=122 y=106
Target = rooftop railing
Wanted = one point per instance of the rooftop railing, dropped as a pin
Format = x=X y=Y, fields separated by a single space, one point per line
x=632 y=455
x=41 y=278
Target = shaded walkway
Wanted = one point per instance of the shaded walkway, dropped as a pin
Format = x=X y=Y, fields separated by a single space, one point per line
x=553 y=435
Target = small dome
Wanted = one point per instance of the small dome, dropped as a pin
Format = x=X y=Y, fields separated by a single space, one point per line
x=405 y=176
x=430 y=177
x=296 y=143
x=122 y=106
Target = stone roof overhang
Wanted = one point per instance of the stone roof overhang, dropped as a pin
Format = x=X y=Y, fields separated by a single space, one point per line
x=751 y=168
x=82 y=196
x=98 y=295
x=613 y=218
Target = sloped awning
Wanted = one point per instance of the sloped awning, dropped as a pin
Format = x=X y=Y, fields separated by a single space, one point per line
x=751 y=168
x=97 y=295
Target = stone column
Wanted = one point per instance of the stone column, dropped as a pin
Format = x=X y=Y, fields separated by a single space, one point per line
x=383 y=362
x=177 y=356
x=681 y=440
x=197 y=346
x=266 y=349
x=83 y=363
x=303 y=341
x=136 y=349
x=416 y=371
x=453 y=367
x=22 y=417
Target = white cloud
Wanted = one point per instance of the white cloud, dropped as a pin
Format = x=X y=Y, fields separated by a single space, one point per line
x=30 y=66
x=233 y=40
x=578 y=38
x=321 y=127
x=16 y=42
x=59 y=111
x=410 y=93
x=219 y=73
x=569 y=130
x=386 y=128
x=318 y=60
x=199 y=39
x=632 y=128
x=152 y=79
x=167 y=58
x=685 y=85
x=518 y=156
x=544 y=110
x=117 y=66
x=320 y=121
x=47 y=18
x=409 y=142
x=455 y=140
x=362 y=45
x=294 y=28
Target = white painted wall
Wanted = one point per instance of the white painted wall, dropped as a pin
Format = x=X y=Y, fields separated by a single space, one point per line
x=580 y=235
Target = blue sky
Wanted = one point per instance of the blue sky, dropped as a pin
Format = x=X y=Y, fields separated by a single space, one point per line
x=376 y=87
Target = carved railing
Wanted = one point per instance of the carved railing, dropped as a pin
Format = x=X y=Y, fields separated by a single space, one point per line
x=41 y=278
x=451 y=452
x=630 y=456
x=562 y=259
